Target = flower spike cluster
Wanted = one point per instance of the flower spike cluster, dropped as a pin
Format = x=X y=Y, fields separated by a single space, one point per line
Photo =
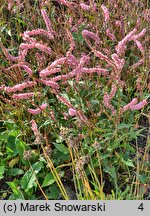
x=59 y=69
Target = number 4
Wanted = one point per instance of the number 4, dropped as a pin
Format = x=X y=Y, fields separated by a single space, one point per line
x=141 y=207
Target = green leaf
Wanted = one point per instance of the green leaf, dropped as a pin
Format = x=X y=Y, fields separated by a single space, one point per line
x=37 y=166
x=13 y=162
x=4 y=136
x=142 y=178
x=20 y=21
x=60 y=158
x=128 y=163
x=20 y=146
x=49 y=179
x=123 y=125
x=62 y=148
x=65 y=95
x=29 y=179
x=16 y=172
x=46 y=123
x=104 y=156
x=115 y=144
x=2 y=170
x=16 y=197
x=111 y=171
x=54 y=192
x=16 y=189
x=10 y=146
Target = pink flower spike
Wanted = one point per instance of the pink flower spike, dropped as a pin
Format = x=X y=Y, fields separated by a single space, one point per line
x=88 y=34
x=35 y=131
x=35 y=44
x=43 y=106
x=118 y=23
x=83 y=60
x=72 y=112
x=8 y=55
x=118 y=62
x=50 y=83
x=138 y=22
x=139 y=105
x=102 y=56
x=95 y=70
x=139 y=45
x=84 y=6
x=43 y=47
x=10 y=4
x=141 y=61
x=66 y=3
x=130 y=105
x=22 y=55
x=57 y=62
x=141 y=34
x=110 y=35
x=34 y=127
x=72 y=43
x=38 y=110
x=25 y=95
x=34 y=111
x=106 y=13
x=25 y=67
x=52 y=68
x=46 y=72
x=25 y=46
x=38 y=32
x=19 y=87
x=107 y=104
x=113 y=91
x=108 y=97
x=47 y=21
x=122 y=44
x=72 y=60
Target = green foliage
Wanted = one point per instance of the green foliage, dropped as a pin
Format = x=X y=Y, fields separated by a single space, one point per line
x=2 y=170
